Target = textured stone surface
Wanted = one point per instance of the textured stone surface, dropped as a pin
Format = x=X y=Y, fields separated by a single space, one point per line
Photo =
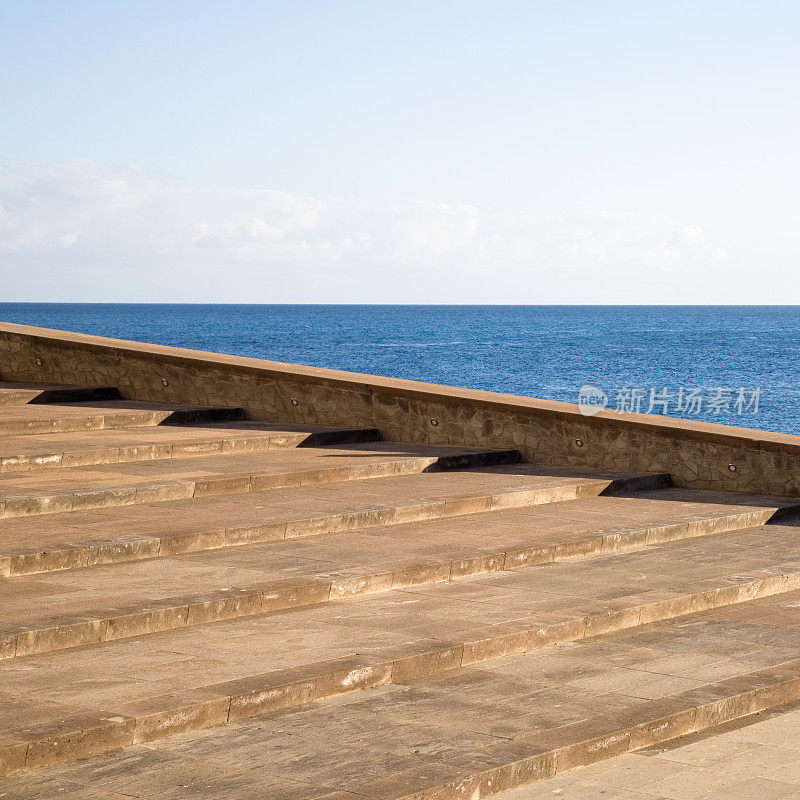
x=47 y=542
x=289 y=574
x=448 y=735
x=31 y=452
x=698 y=455
x=744 y=760
x=224 y=473
x=343 y=646
x=368 y=619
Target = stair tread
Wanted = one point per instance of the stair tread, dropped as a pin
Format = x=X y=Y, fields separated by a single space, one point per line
x=434 y=729
x=88 y=407
x=225 y=512
x=468 y=611
x=169 y=580
x=220 y=465
x=20 y=393
x=753 y=757
x=353 y=555
x=103 y=438
x=42 y=418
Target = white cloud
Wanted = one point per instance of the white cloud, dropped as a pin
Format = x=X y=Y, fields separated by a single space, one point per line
x=78 y=230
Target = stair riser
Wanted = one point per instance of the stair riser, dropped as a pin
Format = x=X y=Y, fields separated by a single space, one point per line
x=631 y=538
x=118 y=420
x=228 y=702
x=108 y=497
x=134 y=549
x=77 y=394
x=226 y=605
x=163 y=452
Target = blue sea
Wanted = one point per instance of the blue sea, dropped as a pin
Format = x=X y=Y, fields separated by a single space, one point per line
x=732 y=365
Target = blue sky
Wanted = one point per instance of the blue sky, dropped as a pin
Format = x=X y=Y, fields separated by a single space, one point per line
x=534 y=152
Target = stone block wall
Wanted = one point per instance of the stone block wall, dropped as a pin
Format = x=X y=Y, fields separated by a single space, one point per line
x=696 y=454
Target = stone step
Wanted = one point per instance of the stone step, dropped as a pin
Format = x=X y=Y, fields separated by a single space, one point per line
x=753 y=757
x=30 y=452
x=593 y=693
x=16 y=394
x=49 y=542
x=103 y=486
x=88 y=416
x=106 y=603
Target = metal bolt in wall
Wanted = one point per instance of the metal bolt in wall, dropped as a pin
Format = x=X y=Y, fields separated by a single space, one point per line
x=579 y=442
x=295 y=402
x=434 y=422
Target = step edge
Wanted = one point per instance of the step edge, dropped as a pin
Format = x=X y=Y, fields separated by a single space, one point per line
x=547 y=757
x=111 y=420
x=154 y=451
x=292 y=527
x=41 y=504
x=248 y=601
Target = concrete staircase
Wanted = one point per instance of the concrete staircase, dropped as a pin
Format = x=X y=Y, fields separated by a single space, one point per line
x=193 y=604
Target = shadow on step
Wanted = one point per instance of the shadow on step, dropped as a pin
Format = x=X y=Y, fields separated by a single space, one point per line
x=786 y=509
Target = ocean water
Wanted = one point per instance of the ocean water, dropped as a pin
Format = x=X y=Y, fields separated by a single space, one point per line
x=732 y=365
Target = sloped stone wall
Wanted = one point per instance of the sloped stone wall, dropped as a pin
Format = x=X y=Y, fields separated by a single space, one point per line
x=696 y=454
